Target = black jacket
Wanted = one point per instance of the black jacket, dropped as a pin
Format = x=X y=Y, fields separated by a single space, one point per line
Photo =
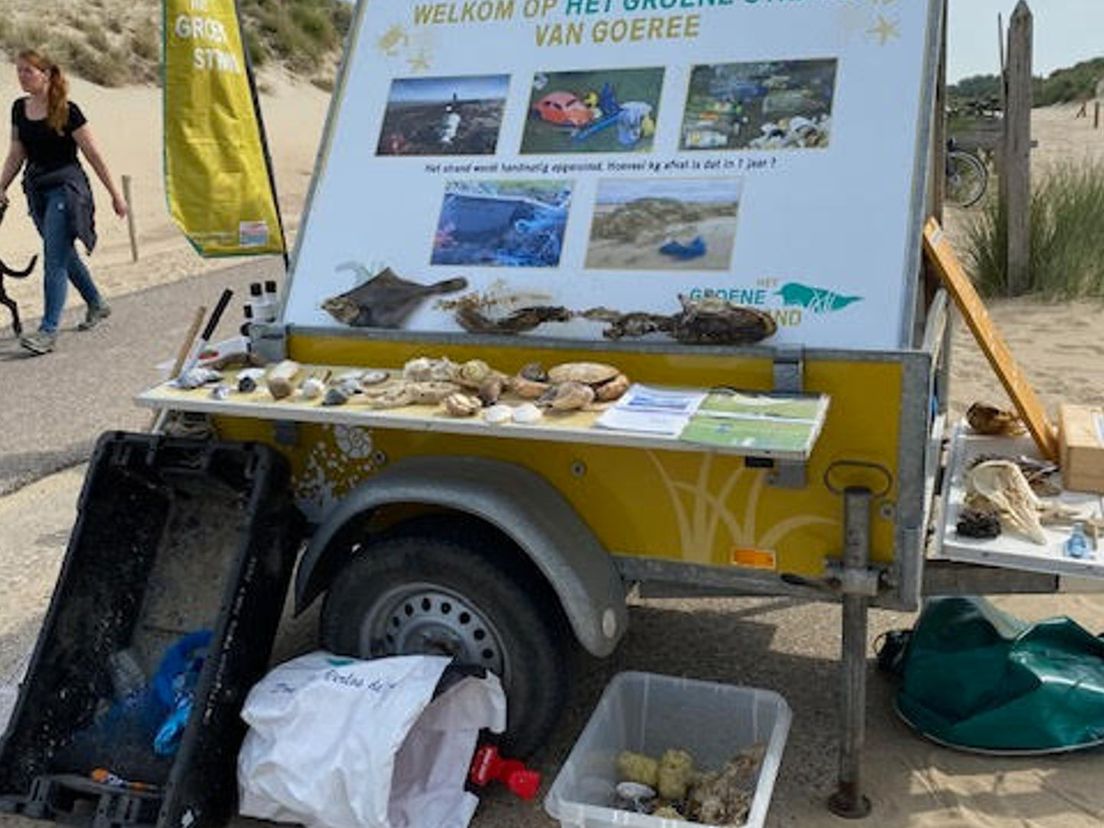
x=78 y=198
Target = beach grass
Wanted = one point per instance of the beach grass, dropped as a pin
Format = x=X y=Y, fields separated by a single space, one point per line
x=118 y=42
x=1067 y=228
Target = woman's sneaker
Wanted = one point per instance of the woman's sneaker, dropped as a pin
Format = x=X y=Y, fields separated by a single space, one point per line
x=39 y=342
x=94 y=316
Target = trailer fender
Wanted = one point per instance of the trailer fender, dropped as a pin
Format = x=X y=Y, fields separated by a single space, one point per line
x=522 y=505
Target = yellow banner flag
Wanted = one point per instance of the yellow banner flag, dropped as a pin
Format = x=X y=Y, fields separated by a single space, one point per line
x=218 y=180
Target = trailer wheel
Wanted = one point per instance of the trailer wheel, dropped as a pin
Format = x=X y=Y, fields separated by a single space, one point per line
x=439 y=594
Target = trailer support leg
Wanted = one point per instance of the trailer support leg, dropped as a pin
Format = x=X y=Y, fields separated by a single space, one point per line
x=848 y=800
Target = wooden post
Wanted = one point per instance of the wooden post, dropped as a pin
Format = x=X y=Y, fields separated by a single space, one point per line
x=1015 y=178
x=130 y=219
x=1096 y=115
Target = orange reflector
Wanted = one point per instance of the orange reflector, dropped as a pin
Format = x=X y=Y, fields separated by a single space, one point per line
x=752 y=558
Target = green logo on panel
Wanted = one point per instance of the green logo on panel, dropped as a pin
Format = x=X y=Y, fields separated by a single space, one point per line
x=813 y=299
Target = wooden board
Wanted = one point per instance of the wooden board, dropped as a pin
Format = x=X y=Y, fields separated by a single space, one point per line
x=1023 y=396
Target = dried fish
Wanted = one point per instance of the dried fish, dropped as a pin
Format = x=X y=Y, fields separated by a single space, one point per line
x=473 y=320
x=384 y=300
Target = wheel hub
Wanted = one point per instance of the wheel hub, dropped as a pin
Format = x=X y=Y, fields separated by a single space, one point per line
x=425 y=619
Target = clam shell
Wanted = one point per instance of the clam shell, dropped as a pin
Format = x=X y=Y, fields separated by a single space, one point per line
x=497 y=414
x=527 y=414
x=590 y=373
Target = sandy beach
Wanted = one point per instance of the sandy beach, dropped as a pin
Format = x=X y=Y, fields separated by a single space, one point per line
x=127 y=125
x=759 y=642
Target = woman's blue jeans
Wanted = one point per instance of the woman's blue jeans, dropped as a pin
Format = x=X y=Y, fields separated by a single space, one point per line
x=62 y=263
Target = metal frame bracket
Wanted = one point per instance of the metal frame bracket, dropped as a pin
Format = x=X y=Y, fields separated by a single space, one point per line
x=789 y=377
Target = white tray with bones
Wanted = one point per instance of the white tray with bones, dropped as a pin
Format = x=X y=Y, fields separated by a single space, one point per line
x=1037 y=518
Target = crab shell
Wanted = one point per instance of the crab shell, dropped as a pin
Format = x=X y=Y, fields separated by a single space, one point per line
x=713 y=321
x=461 y=405
x=988 y=419
x=589 y=373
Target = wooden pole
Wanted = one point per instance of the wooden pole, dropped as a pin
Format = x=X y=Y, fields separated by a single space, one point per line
x=130 y=219
x=1015 y=178
x=1096 y=115
x=158 y=417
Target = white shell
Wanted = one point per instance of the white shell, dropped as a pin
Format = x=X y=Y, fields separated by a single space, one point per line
x=527 y=413
x=373 y=377
x=497 y=414
x=312 y=387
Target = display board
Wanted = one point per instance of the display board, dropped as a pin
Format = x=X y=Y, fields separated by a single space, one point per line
x=548 y=167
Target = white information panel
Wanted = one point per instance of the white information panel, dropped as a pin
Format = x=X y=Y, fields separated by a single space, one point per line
x=548 y=166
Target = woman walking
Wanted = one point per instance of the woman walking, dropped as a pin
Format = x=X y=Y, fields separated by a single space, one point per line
x=47 y=131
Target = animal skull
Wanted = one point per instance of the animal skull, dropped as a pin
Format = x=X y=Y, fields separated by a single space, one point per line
x=1001 y=484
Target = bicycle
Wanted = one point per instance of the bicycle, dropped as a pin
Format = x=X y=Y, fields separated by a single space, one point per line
x=967 y=176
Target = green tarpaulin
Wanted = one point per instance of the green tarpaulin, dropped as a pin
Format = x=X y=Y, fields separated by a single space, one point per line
x=976 y=678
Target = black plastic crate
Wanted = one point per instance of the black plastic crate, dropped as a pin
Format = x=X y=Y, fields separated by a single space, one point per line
x=172 y=536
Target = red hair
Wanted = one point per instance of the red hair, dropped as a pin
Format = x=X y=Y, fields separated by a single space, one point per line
x=57 y=96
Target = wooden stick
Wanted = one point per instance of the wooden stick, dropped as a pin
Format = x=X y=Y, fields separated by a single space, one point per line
x=130 y=219
x=178 y=363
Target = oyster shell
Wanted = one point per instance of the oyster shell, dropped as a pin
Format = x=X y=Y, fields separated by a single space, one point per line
x=612 y=390
x=497 y=414
x=527 y=389
x=567 y=396
x=527 y=414
x=461 y=405
x=424 y=369
x=473 y=373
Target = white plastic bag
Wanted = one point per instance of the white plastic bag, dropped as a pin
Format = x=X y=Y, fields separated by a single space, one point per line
x=340 y=743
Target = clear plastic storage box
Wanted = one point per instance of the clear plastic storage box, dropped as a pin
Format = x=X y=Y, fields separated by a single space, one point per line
x=649 y=713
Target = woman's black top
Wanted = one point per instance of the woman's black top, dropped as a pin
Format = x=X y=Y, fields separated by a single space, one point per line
x=46 y=150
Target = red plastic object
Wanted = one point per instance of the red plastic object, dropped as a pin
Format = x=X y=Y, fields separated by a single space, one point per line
x=487 y=766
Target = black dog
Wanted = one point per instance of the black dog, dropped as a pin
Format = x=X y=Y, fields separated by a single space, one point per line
x=6 y=300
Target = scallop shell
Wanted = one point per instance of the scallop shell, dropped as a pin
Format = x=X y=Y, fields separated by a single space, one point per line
x=590 y=373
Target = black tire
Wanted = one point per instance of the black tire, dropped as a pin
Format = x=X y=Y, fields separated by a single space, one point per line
x=967 y=178
x=462 y=594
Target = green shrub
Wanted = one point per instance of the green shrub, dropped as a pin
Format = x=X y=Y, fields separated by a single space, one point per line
x=1067 y=227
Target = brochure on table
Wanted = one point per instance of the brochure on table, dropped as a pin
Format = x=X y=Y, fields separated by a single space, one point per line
x=614 y=155
x=761 y=424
